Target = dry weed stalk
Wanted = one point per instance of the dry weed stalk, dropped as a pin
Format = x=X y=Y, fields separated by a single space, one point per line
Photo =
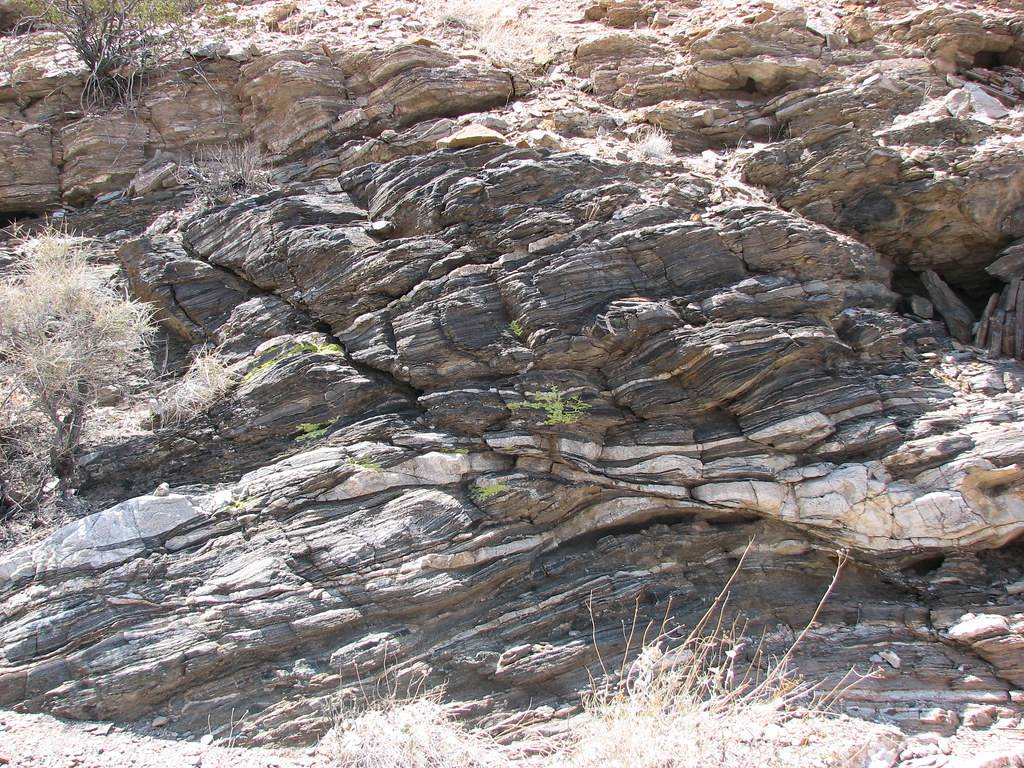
x=711 y=699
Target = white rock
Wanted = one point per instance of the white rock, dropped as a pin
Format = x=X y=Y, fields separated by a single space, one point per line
x=973 y=627
x=891 y=658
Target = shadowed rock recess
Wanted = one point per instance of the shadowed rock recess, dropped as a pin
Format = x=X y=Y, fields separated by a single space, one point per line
x=496 y=404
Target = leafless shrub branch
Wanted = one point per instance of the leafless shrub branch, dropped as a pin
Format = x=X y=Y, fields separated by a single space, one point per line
x=225 y=172
x=65 y=336
x=118 y=41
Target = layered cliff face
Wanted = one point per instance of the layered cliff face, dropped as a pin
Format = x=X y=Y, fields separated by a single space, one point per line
x=496 y=400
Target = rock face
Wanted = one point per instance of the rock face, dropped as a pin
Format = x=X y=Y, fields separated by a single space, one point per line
x=548 y=365
x=494 y=401
x=291 y=103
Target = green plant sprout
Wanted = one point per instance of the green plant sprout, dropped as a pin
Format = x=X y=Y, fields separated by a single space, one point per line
x=488 y=490
x=365 y=464
x=559 y=409
x=306 y=346
x=516 y=329
x=312 y=430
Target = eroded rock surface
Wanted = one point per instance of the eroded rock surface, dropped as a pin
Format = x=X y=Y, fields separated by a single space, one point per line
x=290 y=103
x=500 y=392
x=543 y=364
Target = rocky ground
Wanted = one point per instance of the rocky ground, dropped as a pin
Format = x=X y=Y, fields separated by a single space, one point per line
x=40 y=741
x=538 y=314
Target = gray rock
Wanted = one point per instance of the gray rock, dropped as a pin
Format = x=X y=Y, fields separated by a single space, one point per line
x=491 y=402
x=554 y=390
x=921 y=307
x=959 y=318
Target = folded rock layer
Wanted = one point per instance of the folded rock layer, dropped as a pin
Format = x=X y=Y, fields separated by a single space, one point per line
x=503 y=403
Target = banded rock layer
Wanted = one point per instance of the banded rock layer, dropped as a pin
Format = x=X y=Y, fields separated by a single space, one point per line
x=493 y=402
x=496 y=407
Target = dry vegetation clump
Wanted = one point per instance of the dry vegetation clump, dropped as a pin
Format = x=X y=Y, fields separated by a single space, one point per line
x=65 y=337
x=651 y=145
x=226 y=172
x=207 y=378
x=714 y=698
x=709 y=698
x=700 y=706
x=118 y=41
x=25 y=476
x=506 y=33
x=412 y=732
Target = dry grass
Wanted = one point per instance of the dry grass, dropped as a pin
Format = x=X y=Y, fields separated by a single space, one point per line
x=412 y=732
x=709 y=698
x=506 y=33
x=703 y=705
x=713 y=698
x=651 y=145
x=206 y=380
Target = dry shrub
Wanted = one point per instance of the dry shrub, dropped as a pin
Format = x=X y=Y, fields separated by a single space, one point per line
x=65 y=335
x=505 y=32
x=700 y=706
x=223 y=173
x=27 y=509
x=411 y=732
x=119 y=41
x=715 y=699
x=207 y=378
x=651 y=145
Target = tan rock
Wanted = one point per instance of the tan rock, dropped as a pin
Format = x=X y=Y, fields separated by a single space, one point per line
x=858 y=28
x=101 y=154
x=541 y=138
x=278 y=12
x=185 y=113
x=625 y=14
x=471 y=136
x=11 y=12
x=292 y=100
x=28 y=174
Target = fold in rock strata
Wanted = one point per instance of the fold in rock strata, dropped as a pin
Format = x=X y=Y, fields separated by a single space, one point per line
x=495 y=407
x=730 y=371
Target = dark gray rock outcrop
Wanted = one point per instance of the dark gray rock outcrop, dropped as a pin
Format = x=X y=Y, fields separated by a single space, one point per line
x=495 y=408
x=536 y=392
